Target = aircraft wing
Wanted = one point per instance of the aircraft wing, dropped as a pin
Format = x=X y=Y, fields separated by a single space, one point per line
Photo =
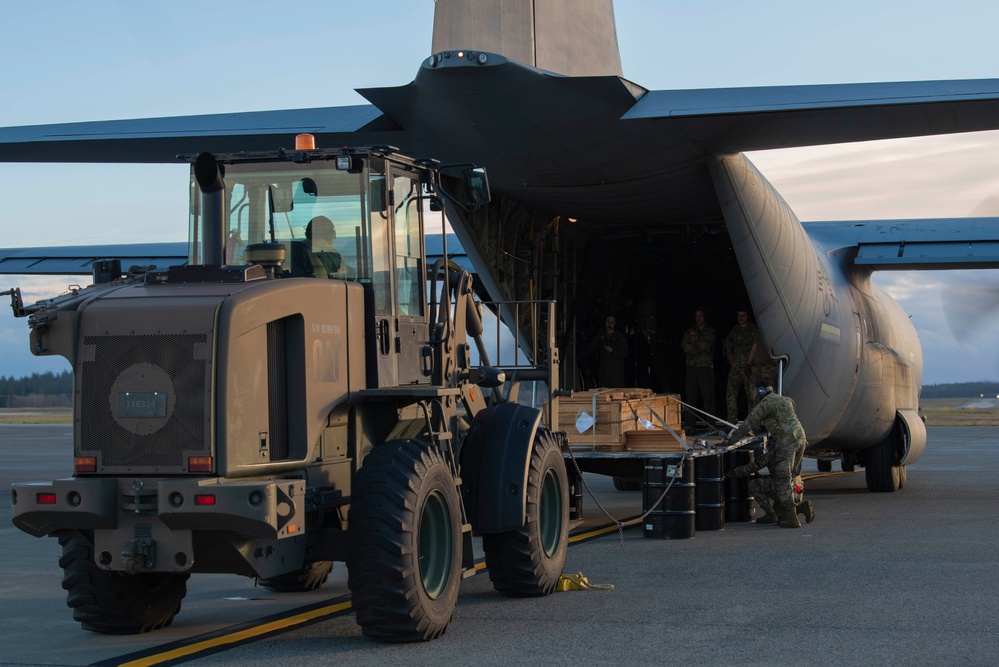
x=576 y=146
x=918 y=244
x=707 y=120
x=746 y=119
x=78 y=260
x=159 y=140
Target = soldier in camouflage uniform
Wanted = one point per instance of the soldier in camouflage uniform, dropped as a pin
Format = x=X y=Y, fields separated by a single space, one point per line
x=698 y=344
x=740 y=349
x=780 y=494
x=761 y=367
x=612 y=348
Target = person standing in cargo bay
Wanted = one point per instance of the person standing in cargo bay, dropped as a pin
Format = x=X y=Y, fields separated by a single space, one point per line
x=780 y=494
x=611 y=347
x=740 y=348
x=698 y=345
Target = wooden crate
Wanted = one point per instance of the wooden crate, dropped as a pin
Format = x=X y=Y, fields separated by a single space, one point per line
x=617 y=412
x=653 y=441
x=659 y=408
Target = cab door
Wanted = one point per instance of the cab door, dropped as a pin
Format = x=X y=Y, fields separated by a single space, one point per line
x=398 y=276
x=412 y=339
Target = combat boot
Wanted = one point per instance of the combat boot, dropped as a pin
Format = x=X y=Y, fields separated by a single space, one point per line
x=768 y=517
x=789 y=519
x=806 y=510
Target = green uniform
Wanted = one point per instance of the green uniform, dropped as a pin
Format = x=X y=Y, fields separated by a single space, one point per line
x=737 y=346
x=785 y=448
x=763 y=367
x=612 y=364
x=699 y=346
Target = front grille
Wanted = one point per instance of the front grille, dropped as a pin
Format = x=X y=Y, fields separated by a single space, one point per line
x=185 y=432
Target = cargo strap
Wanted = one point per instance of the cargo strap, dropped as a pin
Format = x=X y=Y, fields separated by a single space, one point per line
x=710 y=416
x=662 y=421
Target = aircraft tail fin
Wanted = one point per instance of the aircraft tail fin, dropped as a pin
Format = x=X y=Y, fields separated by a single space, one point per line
x=788 y=288
x=572 y=37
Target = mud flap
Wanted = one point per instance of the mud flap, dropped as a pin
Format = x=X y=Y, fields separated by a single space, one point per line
x=494 y=461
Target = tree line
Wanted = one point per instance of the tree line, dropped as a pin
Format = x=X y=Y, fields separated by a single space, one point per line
x=961 y=390
x=53 y=384
x=14 y=390
x=37 y=383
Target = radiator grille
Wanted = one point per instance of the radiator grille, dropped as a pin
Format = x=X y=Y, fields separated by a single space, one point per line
x=185 y=433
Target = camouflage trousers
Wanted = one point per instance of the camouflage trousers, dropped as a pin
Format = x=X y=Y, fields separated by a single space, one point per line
x=778 y=490
x=739 y=378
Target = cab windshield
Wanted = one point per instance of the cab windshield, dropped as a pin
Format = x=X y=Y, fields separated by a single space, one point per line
x=315 y=211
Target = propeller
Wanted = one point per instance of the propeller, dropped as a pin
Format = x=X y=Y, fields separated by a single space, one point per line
x=970 y=307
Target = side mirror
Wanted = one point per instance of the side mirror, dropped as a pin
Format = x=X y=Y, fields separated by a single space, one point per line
x=376 y=194
x=476 y=185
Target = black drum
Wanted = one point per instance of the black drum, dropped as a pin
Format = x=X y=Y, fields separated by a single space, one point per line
x=709 y=492
x=738 y=503
x=673 y=518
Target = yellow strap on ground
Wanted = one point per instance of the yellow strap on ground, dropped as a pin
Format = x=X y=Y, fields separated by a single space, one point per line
x=577 y=582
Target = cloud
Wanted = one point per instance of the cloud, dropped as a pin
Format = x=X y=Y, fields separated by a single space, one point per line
x=924 y=177
x=956 y=313
x=17 y=360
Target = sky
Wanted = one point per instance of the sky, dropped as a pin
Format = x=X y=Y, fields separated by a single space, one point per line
x=66 y=61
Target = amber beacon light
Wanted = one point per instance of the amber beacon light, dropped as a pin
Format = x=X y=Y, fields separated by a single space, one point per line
x=305 y=142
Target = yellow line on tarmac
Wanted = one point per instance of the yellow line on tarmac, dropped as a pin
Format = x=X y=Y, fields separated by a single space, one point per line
x=304 y=617
x=239 y=636
x=818 y=475
x=597 y=532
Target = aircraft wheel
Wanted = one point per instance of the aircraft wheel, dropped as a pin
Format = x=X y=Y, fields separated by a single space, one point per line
x=112 y=602
x=309 y=578
x=882 y=470
x=528 y=562
x=404 y=529
x=849 y=462
x=627 y=484
x=824 y=466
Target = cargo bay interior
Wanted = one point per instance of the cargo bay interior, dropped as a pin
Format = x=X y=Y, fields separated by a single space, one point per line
x=650 y=276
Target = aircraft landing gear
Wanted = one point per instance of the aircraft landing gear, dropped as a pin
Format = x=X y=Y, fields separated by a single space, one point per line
x=882 y=470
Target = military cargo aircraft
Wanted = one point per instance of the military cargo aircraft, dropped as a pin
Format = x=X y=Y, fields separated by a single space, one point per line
x=612 y=197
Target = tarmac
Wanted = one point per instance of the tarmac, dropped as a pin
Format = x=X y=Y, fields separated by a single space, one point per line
x=890 y=579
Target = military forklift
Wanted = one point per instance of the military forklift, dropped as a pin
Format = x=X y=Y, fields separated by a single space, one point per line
x=300 y=392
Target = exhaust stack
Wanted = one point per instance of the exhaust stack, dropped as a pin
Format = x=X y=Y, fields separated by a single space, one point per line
x=209 y=176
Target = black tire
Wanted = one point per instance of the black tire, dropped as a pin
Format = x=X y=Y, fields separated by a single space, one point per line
x=627 y=484
x=114 y=603
x=309 y=578
x=528 y=562
x=882 y=470
x=404 y=528
x=824 y=466
x=849 y=462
